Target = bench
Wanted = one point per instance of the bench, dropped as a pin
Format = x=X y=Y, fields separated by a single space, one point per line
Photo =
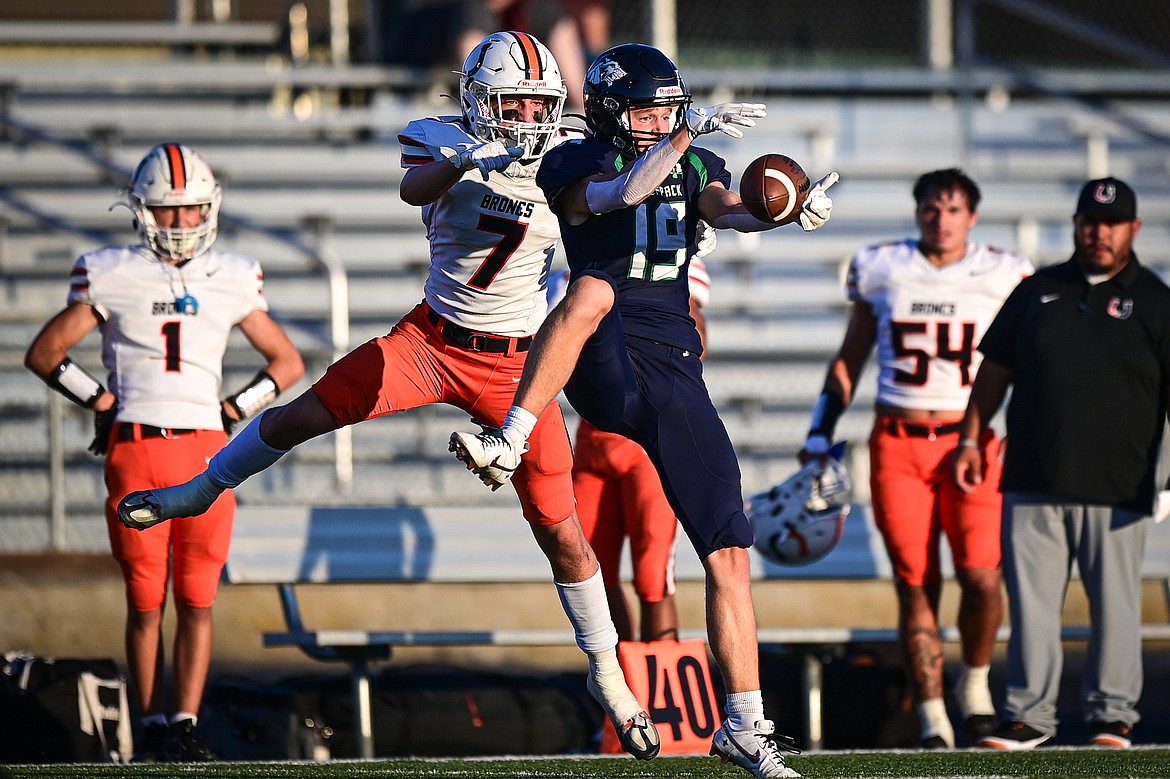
x=291 y=547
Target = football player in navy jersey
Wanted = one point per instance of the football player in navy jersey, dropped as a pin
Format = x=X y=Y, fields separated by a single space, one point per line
x=624 y=349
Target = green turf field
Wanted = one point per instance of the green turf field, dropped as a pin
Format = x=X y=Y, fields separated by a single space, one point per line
x=1079 y=763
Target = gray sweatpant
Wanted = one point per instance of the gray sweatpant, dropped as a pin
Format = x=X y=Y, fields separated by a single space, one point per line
x=1042 y=537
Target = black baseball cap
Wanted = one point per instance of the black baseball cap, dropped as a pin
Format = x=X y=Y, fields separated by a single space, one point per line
x=1108 y=199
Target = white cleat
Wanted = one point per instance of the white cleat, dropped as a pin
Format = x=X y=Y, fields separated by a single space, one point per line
x=756 y=750
x=637 y=734
x=489 y=454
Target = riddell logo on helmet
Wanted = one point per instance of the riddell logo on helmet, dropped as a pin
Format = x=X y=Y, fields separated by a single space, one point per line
x=532 y=84
x=674 y=91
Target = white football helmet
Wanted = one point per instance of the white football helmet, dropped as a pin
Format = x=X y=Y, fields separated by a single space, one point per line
x=800 y=520
x=174 y=175
x=511 y=63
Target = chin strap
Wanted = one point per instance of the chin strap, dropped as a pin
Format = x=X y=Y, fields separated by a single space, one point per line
x=75 y=383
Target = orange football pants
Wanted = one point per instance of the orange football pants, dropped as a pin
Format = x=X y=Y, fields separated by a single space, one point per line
x=915 y=500
x=414 y=365
x=199 y=544
x=619 y=494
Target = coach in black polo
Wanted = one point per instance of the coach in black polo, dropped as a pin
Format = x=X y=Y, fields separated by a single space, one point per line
x=1086 y=348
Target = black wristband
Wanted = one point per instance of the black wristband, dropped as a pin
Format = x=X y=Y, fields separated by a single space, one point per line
x=75 y=383
x=826 y=412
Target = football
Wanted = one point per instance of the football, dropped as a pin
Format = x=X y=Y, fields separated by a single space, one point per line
x=773 y=188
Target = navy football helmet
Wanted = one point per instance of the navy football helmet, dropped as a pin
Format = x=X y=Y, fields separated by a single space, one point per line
x=632 y=75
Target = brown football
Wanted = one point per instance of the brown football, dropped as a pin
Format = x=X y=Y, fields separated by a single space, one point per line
x=773 y=188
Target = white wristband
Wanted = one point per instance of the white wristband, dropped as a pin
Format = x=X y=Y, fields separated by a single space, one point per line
x=72 y=381
x=971 y=442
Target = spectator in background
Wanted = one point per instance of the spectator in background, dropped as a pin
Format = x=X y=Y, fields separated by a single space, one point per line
x=438 y=34
x=547 y=21
x=1085 y=346
x=593 y=23
x=925 y=302
x=165 y=308
x=619 y=496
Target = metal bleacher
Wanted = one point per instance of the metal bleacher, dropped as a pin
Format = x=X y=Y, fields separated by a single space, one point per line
x=300 y=182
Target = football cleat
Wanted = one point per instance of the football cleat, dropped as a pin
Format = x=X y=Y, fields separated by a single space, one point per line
x=489 y=454
x=183 y=744
x=756 y=750
x=637 y=734
x=140 y=510
x=149 y=747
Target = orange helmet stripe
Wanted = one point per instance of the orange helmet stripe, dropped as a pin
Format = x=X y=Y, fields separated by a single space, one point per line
x=178 y=170
x=531 y=55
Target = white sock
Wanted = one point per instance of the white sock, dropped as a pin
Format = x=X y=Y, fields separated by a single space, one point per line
x=933 y=720
x=182 y=715
x=518 y=425
x=972 y=692
x=588 y=611
x=744 y=709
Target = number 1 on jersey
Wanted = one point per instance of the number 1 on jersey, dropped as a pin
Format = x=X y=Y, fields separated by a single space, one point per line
x=170 y=334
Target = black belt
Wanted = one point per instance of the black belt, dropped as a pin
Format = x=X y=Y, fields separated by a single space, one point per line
x=900 y=427
x=133 y=431
x=477 y=342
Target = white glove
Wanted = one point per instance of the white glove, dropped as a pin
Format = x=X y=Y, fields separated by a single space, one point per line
x=723 y=118
x=818 y=205
x=705 y=239
x=487 y=157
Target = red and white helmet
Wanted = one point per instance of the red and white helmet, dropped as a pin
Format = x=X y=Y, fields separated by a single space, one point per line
x=511 y=63
x=800 y=520
x=174 y=175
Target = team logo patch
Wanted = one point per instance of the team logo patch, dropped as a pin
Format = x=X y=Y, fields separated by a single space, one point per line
x=1105 y=193
x=606 y=71
x=1120 y=309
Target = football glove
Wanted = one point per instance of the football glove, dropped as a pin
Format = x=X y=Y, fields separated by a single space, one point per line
x=723 y=118
x=103 y=423
x=487 y=157
x=818 y=205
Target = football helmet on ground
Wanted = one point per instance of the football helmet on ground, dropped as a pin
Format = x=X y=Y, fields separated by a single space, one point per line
x=632 y=75
x=172 y=174
x=505 y=64
x=800 y=520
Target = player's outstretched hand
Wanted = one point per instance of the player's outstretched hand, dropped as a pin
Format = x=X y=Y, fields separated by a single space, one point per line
x=724 y=118
x=818 y=206
x=487 y=157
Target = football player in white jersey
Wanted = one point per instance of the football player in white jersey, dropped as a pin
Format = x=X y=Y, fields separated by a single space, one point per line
x=165 y=308
x=491 y=238
x=925 y=303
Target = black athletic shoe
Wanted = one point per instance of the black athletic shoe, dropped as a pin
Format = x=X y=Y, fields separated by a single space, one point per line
x=149 y=746
x=1014 y=736
x=932 y=742
x=1110 y=734
x=183 y=744
x=979 y=725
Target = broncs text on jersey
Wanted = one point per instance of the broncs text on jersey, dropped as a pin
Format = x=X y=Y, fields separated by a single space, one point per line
x=172 y=308
x=507 y=205
x=922 y=308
